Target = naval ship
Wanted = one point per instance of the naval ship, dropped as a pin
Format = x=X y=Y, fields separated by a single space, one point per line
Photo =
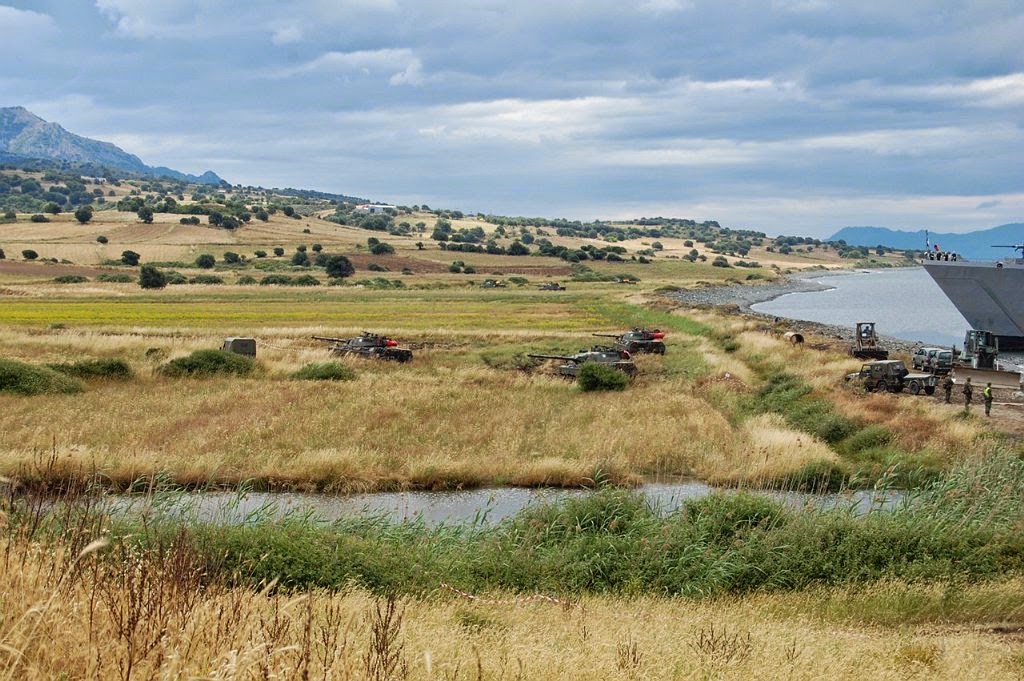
x=989 y=294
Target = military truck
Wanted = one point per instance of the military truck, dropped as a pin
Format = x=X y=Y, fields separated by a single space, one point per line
x=892 y=375
x=602 y=354
x=372 y=345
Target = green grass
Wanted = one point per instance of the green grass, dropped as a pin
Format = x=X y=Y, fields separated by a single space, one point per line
x=209 y=363
x=117 y=369
x=26 y=379
x=325 y=371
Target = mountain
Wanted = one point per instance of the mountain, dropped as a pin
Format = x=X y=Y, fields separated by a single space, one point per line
x=972 y=245
x=25 y=135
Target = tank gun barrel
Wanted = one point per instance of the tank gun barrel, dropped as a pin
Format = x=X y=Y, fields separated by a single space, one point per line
x=606 y=335
x=559 y=357
x=328 y=339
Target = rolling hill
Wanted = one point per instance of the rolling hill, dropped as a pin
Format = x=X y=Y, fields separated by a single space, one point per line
x=974 y=245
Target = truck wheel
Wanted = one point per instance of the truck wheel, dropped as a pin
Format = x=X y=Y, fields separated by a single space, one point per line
x=929 y=390
x=914 y=387
x=882 y=387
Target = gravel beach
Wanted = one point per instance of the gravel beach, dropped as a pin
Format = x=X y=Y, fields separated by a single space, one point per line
x=742 y=297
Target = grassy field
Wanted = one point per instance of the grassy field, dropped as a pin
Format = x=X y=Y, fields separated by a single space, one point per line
x=731 y=587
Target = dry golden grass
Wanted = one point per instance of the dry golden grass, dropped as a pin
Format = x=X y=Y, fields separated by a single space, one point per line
x=143 y=619
x=769 y=450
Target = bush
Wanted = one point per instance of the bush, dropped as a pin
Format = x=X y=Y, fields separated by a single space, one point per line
x=232 y=258
x=26 y=379
x=381 y=248
x=115 y=278
x=209 y=363
x=596 y=376
x=130 y=258
x=300 y=258
x=317 y=248
x=278 y=251
x=246 y=280
x=305 y=280
x=29 y=254
x=101 y=239
x=117 y=369
x=374 y=267
x=151 y=278
x=260 y=254
x=276 y=280
x=324 y=371
x=205 y=261
x=70 y=279
x=175 y=278
x=339 y=267
x=83 y=214
x=210 y=279
x=39 y=217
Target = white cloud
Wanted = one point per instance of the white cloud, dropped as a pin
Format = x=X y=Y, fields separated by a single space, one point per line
x=22 y=25
x=664 y=6
x=402 y=65
x=286 y=35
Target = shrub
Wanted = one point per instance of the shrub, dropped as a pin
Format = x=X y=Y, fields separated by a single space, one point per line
x=10 y=215
x=115 y=278
x=300 y=258
x=29 y=254
x=317 y=248
x=130 y=258
x=209 y=363
x=70 y=279
x=382 y=248
x=175 y=278
x=305 y=280
x=260 y=254
x=206 y=279
x=83 y=214
x=205 y=261
x=246 y=280
x=720 y=261
x=232 y=258
x=338 y=267
x=469 y=269
x=117 y=369
x=101 y=239
x=374 y=267
x=596 y=376
x=276 y=280
x=324 y=371
x=151 y=278
x=278 y=251
x=39 y=217
x=26 y=379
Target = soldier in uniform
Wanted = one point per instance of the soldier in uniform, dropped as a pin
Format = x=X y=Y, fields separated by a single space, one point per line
x=968 y=393
x=986 y=393
x=947 y=386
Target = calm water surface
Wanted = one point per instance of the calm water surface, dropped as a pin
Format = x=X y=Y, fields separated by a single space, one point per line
x=482 y=506
x=905 y=303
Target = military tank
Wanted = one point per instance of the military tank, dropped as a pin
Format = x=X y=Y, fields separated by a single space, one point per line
x=551 y=286
x=366 y=344
x=602 y=354
x=639 y=340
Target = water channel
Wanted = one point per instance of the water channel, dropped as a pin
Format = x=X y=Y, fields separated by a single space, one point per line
x=480 y=506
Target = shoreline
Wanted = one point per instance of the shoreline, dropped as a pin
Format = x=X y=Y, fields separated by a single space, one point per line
x=744 y=297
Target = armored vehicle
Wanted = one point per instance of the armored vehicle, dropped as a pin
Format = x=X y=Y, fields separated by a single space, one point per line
x=891 y=375
x=368 y=345
x=866 y=344
x=551 y=286
x=603 y=354
x=240 y=346
x=639 y=340
x=493 y=283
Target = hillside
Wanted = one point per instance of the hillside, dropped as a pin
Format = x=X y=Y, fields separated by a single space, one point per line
x=974 y=245
x=25 y=135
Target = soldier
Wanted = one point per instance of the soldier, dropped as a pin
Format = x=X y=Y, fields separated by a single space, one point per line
x=947 y=386
x=968 y=393
x=986 y=393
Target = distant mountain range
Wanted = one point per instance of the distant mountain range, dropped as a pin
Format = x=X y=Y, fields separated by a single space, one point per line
x=972 y=245
x=23 y=135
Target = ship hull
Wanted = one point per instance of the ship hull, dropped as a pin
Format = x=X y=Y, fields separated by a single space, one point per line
x=989 y=295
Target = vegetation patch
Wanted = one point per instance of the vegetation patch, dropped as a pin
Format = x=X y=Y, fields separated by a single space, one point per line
x=116 y=278
x=70 y=279
x=325 y=371
x=27 y=379
x=595 y=376
x=209 y=363
x=116 y=369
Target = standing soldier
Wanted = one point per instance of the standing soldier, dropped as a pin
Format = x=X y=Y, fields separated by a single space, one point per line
x=986 y=392
x=968 y=393
x=947 y=386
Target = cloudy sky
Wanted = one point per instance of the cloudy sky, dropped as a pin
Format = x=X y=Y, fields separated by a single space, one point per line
x=789 y=116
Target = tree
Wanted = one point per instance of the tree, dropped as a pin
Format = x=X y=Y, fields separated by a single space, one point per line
x=232 y=258
x=300 y=259
x=151 y=277
x=10 y=215
x=51 y=208
x=518 y=249
x=260 y=254
x=29 y=254
x=130 y=258
x=289 y=211
x=83 y=214
x=382 y=248
x=278 y=251
x=145 y=214
x=205 y=261
x=317 y=248
x=262 y=215
x=3 y=256
x=339 y=267
x=39 y=217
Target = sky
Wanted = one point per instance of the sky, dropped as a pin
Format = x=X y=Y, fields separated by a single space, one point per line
x=785 y=116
